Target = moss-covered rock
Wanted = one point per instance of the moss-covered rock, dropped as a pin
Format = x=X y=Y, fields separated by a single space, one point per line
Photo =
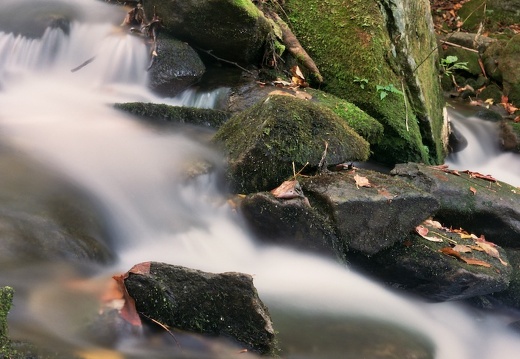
x=493 y=14
x=232 y=29
x=225 y=304
x=262 y=143
x=350 y=41
x=160 y=113
x=365 y=125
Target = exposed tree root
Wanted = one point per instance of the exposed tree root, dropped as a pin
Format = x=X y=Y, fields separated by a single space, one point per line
x=295 y=48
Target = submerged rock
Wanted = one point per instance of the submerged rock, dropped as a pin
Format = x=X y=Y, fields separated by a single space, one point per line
x=225 y=304
x=264 y=142
x=161 y=113
x=43 y=217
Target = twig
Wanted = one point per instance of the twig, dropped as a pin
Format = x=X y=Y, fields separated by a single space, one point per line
x=457 y=45
x=83 y=64
x=405 y=105
x=322 y=165
x=224 y=60
x=164 y=326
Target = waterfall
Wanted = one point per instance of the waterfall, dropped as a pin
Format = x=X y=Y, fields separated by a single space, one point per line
x=65 y=120
x=483 y=153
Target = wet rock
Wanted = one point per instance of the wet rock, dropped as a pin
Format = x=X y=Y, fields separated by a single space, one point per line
x=424 y=267
x=46 y=218
x=161 y=113
x=263 y=142
x=233 y=30
x=511 y=295
x=492 y=210
x=175 y=68
x=291 y=222
x=457 y=140
x=225 y=304
x=369 y=219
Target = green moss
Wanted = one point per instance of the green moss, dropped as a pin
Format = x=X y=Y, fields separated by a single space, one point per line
x=347 y=41
x=6 y=300
x=493 y=14
x=365 y=125
x=262 y=142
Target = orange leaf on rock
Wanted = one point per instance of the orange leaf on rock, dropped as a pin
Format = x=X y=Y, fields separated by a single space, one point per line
x=128 y=312
x=423 y=232
x=288 y=190
x=361 y=181
x=141 y=268
x=475 y=262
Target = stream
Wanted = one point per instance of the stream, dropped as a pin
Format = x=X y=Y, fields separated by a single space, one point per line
x=64 y=121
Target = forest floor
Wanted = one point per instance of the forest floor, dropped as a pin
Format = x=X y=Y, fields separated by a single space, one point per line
x=446 y=18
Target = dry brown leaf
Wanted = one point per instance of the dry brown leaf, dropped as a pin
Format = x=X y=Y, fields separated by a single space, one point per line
x=128 y=312
x=473 y=190
x=490 y=249
x=384 y=192
x=288 y=190
x=361 y=181
x=452 y=253
x=475 y=262
x=423 y=232
x=461 y=248
x=435 y=224
x=141 y=268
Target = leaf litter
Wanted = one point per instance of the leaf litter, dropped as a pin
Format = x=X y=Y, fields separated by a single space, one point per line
x=462 y=249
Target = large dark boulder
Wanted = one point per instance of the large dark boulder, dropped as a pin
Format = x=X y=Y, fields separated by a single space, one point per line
x=175 y=68
x=263 y=142
x=486 y=207
x=439 y=271
x=369 y=219
x=291 y=222
x=233 y=30
x=225 y=304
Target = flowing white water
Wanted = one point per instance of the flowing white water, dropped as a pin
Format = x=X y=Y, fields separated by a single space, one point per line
x=483 y=153
x=65 y=120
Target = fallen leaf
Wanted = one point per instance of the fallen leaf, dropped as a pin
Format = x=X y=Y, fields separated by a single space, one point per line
x=432 y=223
x=473 y=190
x=423 y=232
x=128 y=312
x=490 y=249
x=384 y=192
x=288 y=190
x=461 y=248
x=480 y=175
x=452 y=253
x=141 y=268
x=476 y=262
x=361 y=181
